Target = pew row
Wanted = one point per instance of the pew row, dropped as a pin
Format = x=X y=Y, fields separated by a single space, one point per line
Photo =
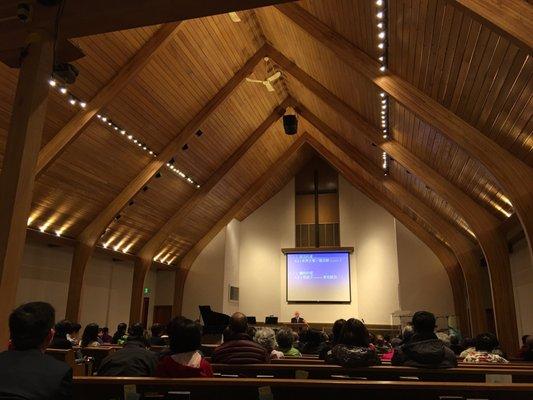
x=104 y=388
x=69 y=357
x=384 y=372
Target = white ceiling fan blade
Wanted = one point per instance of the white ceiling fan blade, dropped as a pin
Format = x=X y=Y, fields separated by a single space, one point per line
x=274 y=77
x=234 y=16
x=253 y=80
x=269 y=86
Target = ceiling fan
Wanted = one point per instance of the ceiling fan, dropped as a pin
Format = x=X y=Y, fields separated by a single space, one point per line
x=268 y=81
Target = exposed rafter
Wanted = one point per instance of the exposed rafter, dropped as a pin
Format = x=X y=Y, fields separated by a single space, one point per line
x=514 y=176
x=127 y=73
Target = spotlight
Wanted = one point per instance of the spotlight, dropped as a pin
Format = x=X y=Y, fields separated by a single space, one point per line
x=382 y=68
x=63 y=90
x=290 y=124
x=52 y=82
x=83 y=104
x=72 y=101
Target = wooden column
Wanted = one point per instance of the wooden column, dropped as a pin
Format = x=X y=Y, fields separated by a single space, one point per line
x=82 y=255
x=20 y=157
x=141 y=268
x=179 y=286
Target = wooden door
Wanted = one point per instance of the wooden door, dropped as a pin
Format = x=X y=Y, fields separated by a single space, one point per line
x=162 y=314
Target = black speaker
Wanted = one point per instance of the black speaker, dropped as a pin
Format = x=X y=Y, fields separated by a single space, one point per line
x=290 y=123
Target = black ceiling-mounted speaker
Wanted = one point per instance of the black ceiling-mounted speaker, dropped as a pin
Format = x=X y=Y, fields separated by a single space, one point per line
x=290 y=123
x=66 y=73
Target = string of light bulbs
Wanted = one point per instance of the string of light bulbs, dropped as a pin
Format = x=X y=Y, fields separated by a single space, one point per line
x=381 y=17
x=106 y=121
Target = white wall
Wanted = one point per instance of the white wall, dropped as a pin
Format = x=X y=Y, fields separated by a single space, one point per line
x=106 y=293
x=418 y=264
x=231 y=266
x=164 y=288
x=522 y=273
x=205 y=280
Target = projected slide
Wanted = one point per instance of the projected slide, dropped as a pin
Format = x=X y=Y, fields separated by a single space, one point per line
x=318 y=277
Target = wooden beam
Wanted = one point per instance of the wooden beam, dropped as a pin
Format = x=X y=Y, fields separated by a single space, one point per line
x=510 y=18
x=20 y=156
x=514 y=176
x=85 y=18
x=53 y=149
x=464 y=249
x=147 y=252
x=80 y=259
x=195 y=251
x=150 y=248
x=90 y=235
x=365 y=186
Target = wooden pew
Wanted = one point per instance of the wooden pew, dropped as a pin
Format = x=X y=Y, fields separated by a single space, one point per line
x=69 y=357
x=390 y=373
x=106 y=388
x=97 y=353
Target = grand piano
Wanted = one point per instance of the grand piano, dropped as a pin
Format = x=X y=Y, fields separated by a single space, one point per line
x=214 y=322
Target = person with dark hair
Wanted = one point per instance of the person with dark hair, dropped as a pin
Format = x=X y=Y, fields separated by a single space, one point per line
x=285 y=340
x=311 y=341
x=455 y=346
x=106 y=337
x=90 y=336
x=527 y=354
x=424 y=349
x=184 y=360
x=25 y=371
x=60 y=341
x=333 y=340
x=469 y=345
x=134 y=359
x=156 y=339
x=120 y=335
x=238 y=347
x=74 y=335
x=353 y=349
x=486 y=343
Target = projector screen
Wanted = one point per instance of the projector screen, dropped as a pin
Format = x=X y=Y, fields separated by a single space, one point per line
x=318 y=277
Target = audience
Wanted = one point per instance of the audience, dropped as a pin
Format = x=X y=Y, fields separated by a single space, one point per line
x=133 y=359
x=527 y=354
x=73 y=335
x=157 y=332
x=266 y=337
x=106 y=337
x=311 y=341
x=353 y=349
x=185 y=361
x=238 y=347
x=60 y=341
x=25 y=371
x=120 y=335
x=469 y=345
x=486 y=343
x=333 y=340
x=285 y=340
x=90 y=336
x=424 y=349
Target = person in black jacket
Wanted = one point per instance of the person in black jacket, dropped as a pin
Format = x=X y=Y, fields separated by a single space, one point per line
x=353 y=349
x=424 y=349
x=25 y=371
x=120 y=333
x=133 y=359
x=60 y=341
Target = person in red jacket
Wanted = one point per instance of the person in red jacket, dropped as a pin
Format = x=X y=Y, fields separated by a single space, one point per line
x=185 y=361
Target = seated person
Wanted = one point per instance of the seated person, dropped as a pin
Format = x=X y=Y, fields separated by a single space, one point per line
x=25 y=371
x=238 y=347
x=285 y=340
x=74 y=335
x=527 y=354
x=156 y=339
x=311 y=341
x=486 y=343
x=134 y=359
x=120 y=335
x=90 y=336
x=333 y=340
x=353 y=349
x=184 y=360
x=297 y=319
x=60 y=341
x=455 y=346
x=267 y=338
x=470 y=347
x=106 y=337
x=424 y=350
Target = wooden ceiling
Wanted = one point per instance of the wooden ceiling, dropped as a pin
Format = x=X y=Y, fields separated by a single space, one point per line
x=466 y=66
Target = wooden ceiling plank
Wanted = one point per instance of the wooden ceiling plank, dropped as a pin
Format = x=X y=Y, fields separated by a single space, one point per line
x=452 y=268
x=465 y=250
x=193 y=253
x=510 y=18
x=515 y=177
x=53 y=149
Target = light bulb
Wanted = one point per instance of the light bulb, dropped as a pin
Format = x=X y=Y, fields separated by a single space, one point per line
x=381 y=34
x=379 y=3
x=379 y=15
x=382 y=94
x=72 y=101
x=104 y=119
x=63 y=90
x=382 y=68
x=52 y=82
x=381 y=45
x=83 y=104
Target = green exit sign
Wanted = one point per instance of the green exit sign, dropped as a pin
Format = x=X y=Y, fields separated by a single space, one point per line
x=147 y=290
